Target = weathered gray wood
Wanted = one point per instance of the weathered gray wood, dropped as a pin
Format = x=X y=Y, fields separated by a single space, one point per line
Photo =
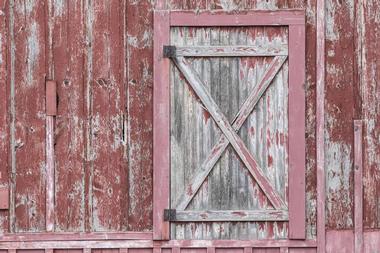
x=228 y=131
x=229 y=185
x=232 y=215
x=232 y=51
x=216 y=152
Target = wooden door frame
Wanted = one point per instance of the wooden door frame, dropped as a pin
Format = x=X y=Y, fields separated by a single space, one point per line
x=295 y=21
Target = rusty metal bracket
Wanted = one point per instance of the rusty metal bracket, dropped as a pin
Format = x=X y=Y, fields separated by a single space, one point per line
x=51 y=98
x=4 y=197
x=169 y=214
x=169 y=51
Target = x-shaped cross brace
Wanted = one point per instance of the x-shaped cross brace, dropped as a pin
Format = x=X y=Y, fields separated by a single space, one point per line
x=230 y=132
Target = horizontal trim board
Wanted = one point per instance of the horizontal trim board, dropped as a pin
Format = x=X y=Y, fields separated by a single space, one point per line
x=244 y=18
x=27 y=237
x=138 y=244
x=232 y=215
x=231 y=51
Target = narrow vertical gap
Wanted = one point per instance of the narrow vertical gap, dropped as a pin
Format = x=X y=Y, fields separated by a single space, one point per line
x=123 y=31
x=127 y=110
x=88 y=170
x=12 y=216
x=49 y=125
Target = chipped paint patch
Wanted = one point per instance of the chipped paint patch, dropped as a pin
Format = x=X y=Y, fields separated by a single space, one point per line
x=143 y=41
x=1 y=46
x=26 y=7
x=33 y=52
x=266 y=4
x=59 y=7
x=332 y=34
x=339 y=178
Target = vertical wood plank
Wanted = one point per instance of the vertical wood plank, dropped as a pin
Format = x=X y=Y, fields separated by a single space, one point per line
x=367 y=50
x=49 y=173
x=28 y=98
x=341 y=241
x=227 y=129
x=4 y=109
x=358 y=184
x=210 y=250
x=248 y=250
x=320 y=124
x=297 y=161
x=161 y=135
x=139 y=44
x=88 y=168
x=107 y=117
x=51 y=111
x=68 y=37
x=340 y=109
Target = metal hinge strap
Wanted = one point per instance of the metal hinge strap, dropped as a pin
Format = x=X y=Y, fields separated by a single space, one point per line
x=169 y=51
x=169 y=214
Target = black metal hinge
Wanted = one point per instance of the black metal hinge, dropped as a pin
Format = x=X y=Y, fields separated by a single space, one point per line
x=169 y=51
x=169 y=214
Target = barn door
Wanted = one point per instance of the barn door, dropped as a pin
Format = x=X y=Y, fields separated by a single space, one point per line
x=232 y=90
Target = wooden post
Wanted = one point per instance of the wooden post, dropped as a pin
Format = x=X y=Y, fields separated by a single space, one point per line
x=161 y=121
x=51 y=112
x=297 y=140
x=320 y=122
x=358 y=184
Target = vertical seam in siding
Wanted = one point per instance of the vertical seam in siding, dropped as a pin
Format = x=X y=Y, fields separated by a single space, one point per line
x=88 y=168
x=12 y=217
x=320 y=68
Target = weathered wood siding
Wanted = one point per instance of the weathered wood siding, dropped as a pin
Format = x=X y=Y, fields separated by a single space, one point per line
x=100 y=54
x=104 y=122
x=369 y=89
x=229 y=185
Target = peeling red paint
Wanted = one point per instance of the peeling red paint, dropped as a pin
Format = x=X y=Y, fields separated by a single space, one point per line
x=98 y=101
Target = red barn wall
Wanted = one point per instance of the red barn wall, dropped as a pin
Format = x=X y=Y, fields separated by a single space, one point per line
x=100 y=53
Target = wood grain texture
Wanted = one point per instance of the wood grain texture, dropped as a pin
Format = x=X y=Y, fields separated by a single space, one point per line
x=367 y=33
x=73 y=68
x=232 y=215
x=68 y=63
x=297 y=117
x=219 y=181
x=216 y=152
x=215 y=51
x=339 y=112
x=139 y=46
x=107 y=98
x=4 y=109
x=161 y=134
x=311 y=52
x=320 y=128
x=243 y=153
x=358 y=184
x=161 y=246
x=28 y=98
x=340 y=241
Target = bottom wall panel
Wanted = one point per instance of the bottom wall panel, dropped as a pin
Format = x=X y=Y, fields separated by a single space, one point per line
x=340 y=241
x=44 y=243
x=183 y=250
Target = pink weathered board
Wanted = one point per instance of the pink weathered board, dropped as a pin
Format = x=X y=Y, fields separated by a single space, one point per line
x=188 y=104
x=99 y=187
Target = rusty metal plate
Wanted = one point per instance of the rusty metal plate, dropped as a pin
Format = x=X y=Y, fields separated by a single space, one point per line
x=4 y=197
